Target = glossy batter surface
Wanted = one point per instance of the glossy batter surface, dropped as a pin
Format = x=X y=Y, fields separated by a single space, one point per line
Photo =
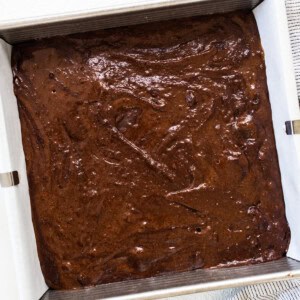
x=150 y=149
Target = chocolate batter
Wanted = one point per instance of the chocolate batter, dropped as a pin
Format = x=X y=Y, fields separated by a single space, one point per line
x=150 y=149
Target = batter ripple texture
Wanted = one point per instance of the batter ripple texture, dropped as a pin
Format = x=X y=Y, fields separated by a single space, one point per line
x=150 y=149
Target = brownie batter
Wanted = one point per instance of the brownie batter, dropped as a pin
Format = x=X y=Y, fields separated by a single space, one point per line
x=150 y=149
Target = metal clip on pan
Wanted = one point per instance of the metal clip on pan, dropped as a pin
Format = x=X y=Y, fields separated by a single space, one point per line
x=9 y=179
x=292 y=127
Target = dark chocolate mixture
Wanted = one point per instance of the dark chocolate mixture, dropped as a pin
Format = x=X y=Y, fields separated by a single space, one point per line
x=150 y=149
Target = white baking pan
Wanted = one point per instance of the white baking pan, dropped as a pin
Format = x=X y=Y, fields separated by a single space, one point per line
x=19 y=264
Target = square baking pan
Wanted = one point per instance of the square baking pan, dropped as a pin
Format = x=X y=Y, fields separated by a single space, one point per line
x=20 y=261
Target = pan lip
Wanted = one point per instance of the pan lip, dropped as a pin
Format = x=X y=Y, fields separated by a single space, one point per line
x=176 y=284
x=96 y=12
